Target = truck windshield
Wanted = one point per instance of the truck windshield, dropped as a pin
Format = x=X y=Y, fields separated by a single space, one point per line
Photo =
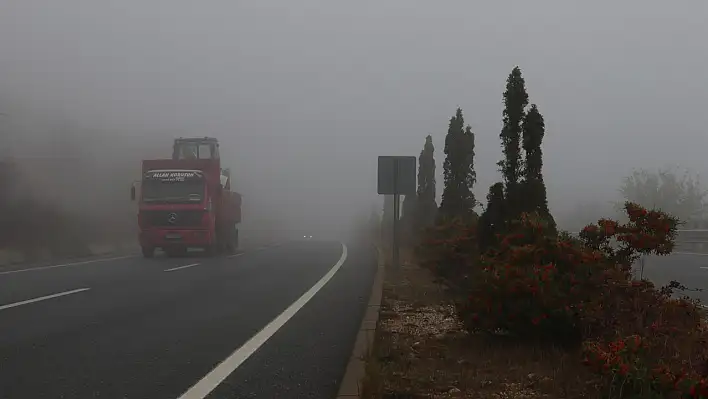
x=172 y=192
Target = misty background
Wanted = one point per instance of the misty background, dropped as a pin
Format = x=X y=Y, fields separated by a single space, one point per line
x=304 y=95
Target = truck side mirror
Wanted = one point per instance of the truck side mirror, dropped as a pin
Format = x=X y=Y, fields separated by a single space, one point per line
x=132 y=193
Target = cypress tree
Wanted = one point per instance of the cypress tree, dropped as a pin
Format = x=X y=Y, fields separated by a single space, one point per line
x=493 y=219
x=458 y=169
x=426 y=205
x=534 y=129
x=534 y=189
x=470 y=174
x=515 y=101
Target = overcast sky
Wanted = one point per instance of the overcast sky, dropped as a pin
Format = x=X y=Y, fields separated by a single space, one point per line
x=305 y=94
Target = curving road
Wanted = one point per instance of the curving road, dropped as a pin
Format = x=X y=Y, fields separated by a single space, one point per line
x=276 y=322
x=689 y=269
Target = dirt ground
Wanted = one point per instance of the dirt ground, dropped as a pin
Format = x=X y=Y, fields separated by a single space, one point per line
x=422 y=351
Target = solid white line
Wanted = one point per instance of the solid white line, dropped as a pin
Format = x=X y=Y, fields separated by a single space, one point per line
x=181 y=267
x=42 y=298
x=690 y=253
x=207 y=384
x=66 y=264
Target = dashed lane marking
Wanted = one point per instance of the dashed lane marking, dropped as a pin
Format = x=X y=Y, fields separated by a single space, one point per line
x=181 y=267
x=66 y=265
x=42 y=298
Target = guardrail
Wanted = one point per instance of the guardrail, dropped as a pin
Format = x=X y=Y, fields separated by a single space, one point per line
x=689 y=241
x=692 y=241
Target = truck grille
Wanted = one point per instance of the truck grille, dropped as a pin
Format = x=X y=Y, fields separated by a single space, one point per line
x=173 y=218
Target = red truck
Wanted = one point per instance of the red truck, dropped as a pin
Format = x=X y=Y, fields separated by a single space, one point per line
x=186 y=202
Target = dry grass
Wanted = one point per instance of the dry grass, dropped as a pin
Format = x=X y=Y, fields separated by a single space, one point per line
x=422 y=351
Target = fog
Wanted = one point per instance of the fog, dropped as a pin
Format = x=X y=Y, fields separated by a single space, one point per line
x=303 y=95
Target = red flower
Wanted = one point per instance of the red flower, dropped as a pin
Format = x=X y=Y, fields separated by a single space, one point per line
x=623 y=369
x=591 y=228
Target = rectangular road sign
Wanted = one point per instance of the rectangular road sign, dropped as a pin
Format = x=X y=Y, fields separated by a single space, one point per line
x=397 y=175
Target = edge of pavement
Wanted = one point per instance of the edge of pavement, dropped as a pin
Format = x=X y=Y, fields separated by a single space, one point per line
x=13 y=258
x=355 y=372
x=9 y=258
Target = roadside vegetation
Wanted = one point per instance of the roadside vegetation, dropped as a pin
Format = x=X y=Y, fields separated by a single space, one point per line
x=504 y=304
x=39 y=224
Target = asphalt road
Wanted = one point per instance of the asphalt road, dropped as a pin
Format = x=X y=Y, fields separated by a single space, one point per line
x=279 y=322
x=691 y=270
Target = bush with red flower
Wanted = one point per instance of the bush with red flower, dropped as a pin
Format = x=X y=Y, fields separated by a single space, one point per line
x=542 y=286
x=449 y=249
x=534 y=284
x=667 y=360
x=673 y=336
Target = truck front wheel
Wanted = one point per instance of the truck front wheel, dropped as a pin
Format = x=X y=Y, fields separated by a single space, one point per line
x=148 y=252
x=231 y=242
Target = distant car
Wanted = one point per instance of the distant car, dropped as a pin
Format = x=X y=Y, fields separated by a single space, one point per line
x=307 y=237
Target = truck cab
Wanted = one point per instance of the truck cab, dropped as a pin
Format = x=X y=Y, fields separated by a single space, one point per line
x=201 y=148
x=195 y=148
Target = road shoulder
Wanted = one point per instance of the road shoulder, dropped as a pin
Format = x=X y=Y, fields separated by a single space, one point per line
x=10 y=260
x=421 y=348
x=351 y=386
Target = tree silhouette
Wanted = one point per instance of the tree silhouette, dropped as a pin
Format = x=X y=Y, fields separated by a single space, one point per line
x=680 y=195
x=493 y=219
x=426 y=206
x=515 y=101
x=533 y=189
x=458 y=169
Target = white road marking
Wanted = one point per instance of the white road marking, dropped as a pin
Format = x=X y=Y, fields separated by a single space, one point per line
x=66 y=264
x=235 y=255
x=215 y=377
x=690 y=253
x=181 y=267
x=704 y=267
x=42 y=298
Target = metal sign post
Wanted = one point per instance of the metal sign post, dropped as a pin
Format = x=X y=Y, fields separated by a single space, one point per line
x=396 y=215
x=396 y=176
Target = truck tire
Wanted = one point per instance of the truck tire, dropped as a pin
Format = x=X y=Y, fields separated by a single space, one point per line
x=230 y=250
x=232 y=242
x=148 y=252
x=211 y=250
